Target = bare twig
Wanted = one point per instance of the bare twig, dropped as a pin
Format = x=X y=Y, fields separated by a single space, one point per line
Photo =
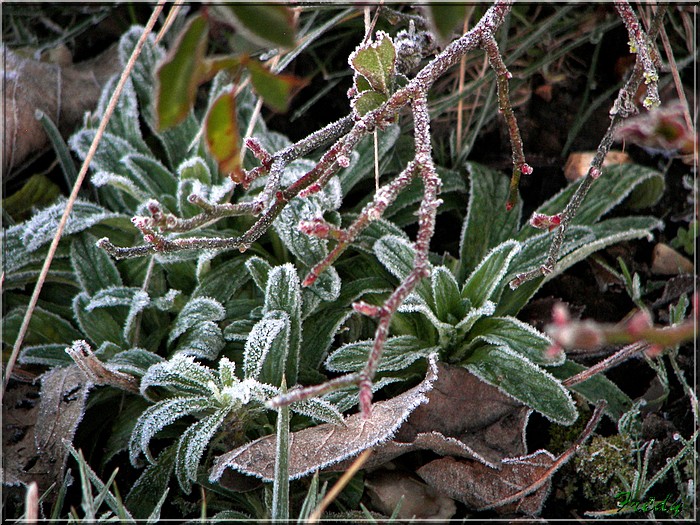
x=622 y=108
x=97 y=372
x=76 y=188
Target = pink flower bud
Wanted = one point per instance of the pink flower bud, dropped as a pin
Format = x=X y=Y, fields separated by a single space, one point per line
x=343 y=161
x=153 y=207
x=149 y=238
x=544 y=222
x=257 y=149
x=595 y=173
x=526 y=169
x=509 y=75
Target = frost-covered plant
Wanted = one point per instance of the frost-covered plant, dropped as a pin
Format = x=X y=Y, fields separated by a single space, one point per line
x=181 y=315
x=467 y=310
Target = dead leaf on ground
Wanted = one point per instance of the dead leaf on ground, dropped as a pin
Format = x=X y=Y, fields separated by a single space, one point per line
x=318 y=447
x=478 y=485
x=35 y=423
x=578 y=163
x=387 y=488
x=63 y=93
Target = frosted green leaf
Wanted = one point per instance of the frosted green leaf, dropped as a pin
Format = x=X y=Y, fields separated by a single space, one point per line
x=94 y=269
x=516 y=335
x=227 y=372
x=319 y=409
x=44 y=328
x=222 y=282
x=414 y=304
x=376 y=61
x=397 y=255
x=193 y=177
x=267 y=347
x=197 y=310
x=152 y=485
x=449 y=306
x=46 y=354
x=487 y=223
x=327 y=286
x=519 y=378
x=204 y=341
x=238 y=330
x=120 y=182
x=308 y=249
x=488 y=275
x=367 y=101
x=157 y=178
x=596 y=388
x=399 y=352
x=135 y=361
x=180 y=375
x=125 y=119
x=110 y=152
x=191 y=447
x=157 y=417
x=195 y=168
x=41 y=228
x=98 y=324
x=115 y=296
x=259 y=269
x=167 y=302
x=283 y=292
x=143 y=72
x=474 y=314
x=615 y=185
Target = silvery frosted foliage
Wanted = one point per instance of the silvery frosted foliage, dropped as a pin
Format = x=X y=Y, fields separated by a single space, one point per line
x=212 y=397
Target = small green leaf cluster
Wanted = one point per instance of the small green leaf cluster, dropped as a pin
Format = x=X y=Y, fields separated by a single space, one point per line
x=374 y=64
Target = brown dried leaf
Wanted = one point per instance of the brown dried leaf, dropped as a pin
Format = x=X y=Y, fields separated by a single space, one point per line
x=318 y=447
x=578 y=163
x=386 y=488
x=36 y=423
x=461 y=406
x=479 y=486
x=64 y=93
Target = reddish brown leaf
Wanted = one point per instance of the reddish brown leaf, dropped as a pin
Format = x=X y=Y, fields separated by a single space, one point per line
x=479 y=486
x=36 y=423
x=318 y=447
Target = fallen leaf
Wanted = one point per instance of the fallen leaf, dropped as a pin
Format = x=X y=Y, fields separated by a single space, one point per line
x=387 y=488
x=578 y=164
x=35 y=423
x=667 y=261
x=319 y=447
x=64 y=93
x=479 y=486
x=478 y=415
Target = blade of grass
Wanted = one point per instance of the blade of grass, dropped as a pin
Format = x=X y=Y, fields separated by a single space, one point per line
x=340 y=485
x=280 y=489
x=74 y=195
